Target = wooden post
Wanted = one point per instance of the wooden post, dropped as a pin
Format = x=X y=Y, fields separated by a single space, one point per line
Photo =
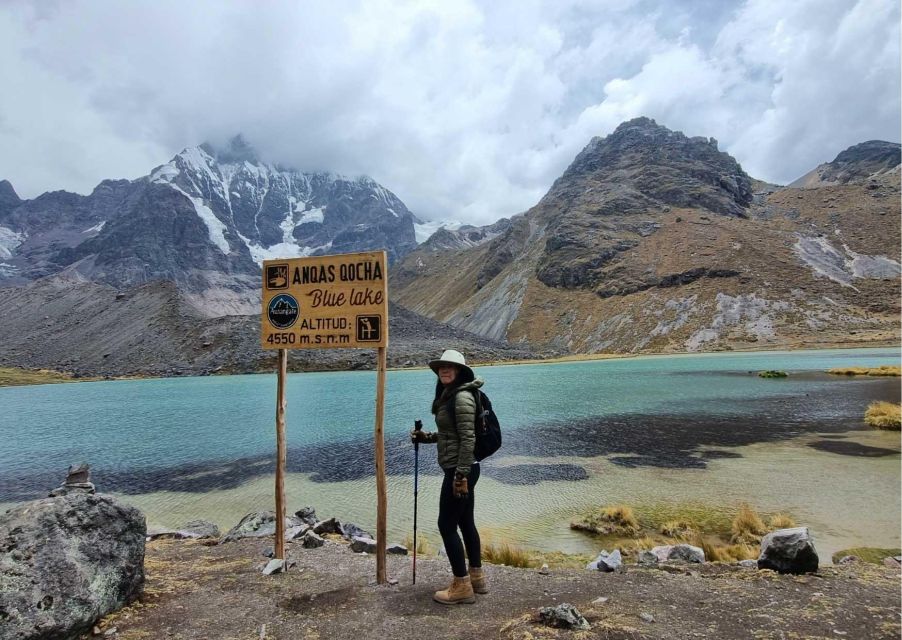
x=381 y=495
x=279 y=543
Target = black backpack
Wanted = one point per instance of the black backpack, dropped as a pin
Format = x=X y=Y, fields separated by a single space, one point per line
x=488 y=429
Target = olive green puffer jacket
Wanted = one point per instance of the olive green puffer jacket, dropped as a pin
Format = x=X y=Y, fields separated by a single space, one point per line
x=457 y=438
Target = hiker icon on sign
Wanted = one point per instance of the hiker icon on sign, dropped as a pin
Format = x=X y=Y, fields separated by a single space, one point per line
x=369 y=328
x=277 y=276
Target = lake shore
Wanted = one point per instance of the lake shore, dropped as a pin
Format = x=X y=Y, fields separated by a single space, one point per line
x=15 y=376
x=198 y=591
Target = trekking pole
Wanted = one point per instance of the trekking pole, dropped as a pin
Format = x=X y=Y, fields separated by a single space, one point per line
x=417 y=426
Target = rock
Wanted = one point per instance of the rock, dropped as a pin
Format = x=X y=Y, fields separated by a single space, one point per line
x=200 y=529
x=194 y=530
x=327 y=526
x=679 y=552
x=257 y=525
x=78 y=480
x=647 y=617
x=307 y=515
x=564 y=616
x=293 y=533
x=349 y=531
x=111 y=632
x=396 y=550
x=312 y=541
x=600 y=600
x=67 y=562
x=544 y=570
x=748 y=564
x=363 y=545
x=606 y=562
x=849 y=560
x=79 y=473
x=788 y=551
x=276 y=565
x=647 y=558
x=893 y=562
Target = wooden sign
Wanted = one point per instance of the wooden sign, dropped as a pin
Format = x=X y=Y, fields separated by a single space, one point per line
x=325 y=302
x=328 y=302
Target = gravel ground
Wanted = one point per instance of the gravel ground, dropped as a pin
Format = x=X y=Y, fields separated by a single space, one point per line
x=196 y=591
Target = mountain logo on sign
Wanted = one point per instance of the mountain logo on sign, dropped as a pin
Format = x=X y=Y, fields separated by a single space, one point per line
x=283 y=311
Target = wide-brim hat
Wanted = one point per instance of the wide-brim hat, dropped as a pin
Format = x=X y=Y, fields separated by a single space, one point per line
x=452 y=357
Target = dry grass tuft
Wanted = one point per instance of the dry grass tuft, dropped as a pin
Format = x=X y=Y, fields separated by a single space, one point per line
x=717 y=551
x=884 y=415
x=615 y=520
x=780 y=521
x=883 y=370
x=747 y=527
x=424 y=546
x=508 y=555
x=678 y=529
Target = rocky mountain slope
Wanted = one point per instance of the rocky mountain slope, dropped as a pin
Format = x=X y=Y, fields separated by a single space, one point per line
x=653 y=241
x=67 y=323
x=204 y=220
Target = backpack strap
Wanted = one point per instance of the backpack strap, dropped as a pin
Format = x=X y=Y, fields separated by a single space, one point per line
x=480 y=414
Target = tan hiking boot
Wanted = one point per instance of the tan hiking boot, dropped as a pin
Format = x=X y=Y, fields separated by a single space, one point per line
x=477 y=579
x=460 y=592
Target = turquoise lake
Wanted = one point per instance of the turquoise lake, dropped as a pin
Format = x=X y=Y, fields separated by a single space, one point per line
x=658 y=429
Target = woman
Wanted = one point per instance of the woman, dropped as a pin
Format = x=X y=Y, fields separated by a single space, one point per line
x=454 y=408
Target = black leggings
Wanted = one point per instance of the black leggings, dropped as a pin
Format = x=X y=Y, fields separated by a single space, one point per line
x=458 y=512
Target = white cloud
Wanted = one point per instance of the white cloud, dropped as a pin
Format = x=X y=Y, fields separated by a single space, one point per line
x=466 y=109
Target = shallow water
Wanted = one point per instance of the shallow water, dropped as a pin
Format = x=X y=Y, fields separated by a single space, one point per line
x=645 y=431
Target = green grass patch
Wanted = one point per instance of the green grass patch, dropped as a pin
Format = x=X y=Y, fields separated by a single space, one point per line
x=773 y=373
x=874 y=555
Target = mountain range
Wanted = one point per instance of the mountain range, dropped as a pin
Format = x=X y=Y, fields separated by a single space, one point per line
x=649 y=241
x=204 y=220
x=652 y=241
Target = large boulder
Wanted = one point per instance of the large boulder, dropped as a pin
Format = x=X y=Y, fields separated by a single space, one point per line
x=307 y=515
x=258 y=525
x=606 y=562
x=679 y=553
x=789 y=551
x=193 y=530
x=67 y=561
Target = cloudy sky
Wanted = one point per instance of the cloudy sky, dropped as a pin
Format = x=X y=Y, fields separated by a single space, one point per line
x=467 y=110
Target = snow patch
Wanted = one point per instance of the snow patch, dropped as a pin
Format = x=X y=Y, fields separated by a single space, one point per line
x=215 y=228
x=97 y=228
x=166 y=173
x=7 y=270
x=313 y=215
x=9 y=240
x=425 y=229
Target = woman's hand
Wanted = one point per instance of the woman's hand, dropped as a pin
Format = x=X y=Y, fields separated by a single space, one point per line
x=420 y=436
x=461 y=489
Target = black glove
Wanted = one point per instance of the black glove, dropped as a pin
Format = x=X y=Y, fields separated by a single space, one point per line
x=461 y=489
x=418 y=435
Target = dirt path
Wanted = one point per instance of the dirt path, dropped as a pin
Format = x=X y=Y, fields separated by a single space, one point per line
x=196 y=591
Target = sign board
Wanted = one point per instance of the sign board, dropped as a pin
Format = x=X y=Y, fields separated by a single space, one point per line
x=325 y=302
